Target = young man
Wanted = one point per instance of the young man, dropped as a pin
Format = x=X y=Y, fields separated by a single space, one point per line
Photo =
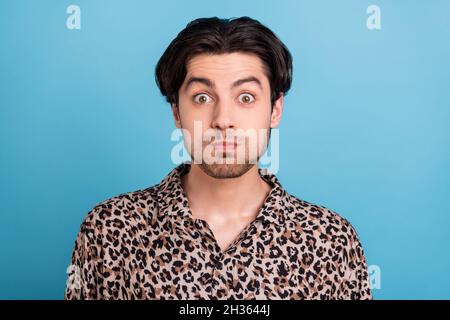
x=215 y=229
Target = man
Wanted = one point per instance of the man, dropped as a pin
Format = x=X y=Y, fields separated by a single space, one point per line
x=215 y=229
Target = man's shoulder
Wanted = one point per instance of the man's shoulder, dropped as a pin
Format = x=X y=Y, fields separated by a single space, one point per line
x=319 y=219
x=124 y=208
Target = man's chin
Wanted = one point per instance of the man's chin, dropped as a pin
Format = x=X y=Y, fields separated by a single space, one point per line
x=226 y=171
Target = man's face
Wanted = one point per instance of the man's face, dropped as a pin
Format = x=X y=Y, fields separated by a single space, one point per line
x=226 y=97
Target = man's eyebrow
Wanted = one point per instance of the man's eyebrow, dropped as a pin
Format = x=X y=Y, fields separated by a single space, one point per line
x=205 y=81
x=239 y=82
x=211 y=84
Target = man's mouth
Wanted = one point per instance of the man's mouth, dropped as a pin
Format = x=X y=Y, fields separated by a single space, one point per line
x=225 y=146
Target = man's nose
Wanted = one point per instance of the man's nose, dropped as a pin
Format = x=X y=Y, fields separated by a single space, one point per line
x=223 y=117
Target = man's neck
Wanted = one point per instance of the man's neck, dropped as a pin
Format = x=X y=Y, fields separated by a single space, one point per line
x=231 y=199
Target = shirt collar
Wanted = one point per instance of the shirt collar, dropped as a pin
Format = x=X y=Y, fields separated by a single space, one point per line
x=174 y=202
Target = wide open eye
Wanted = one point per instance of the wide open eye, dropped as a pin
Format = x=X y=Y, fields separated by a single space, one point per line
x=246 y=98
x=201 y=98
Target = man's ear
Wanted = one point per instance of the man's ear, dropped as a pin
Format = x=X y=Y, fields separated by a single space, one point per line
x=276 y=112
x=176 y=115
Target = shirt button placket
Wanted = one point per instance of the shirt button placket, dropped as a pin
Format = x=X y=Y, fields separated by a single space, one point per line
x=218 y=262
x=221 y=288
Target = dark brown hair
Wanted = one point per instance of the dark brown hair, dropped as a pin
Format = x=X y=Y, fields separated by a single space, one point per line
x=217 y=36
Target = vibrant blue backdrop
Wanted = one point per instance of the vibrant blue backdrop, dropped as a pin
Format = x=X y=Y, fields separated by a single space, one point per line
x=365 y=132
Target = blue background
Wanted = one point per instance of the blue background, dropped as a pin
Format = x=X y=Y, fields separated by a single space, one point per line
x=365 y=130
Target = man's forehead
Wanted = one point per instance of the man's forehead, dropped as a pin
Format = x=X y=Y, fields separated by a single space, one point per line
x=234 y=68
x=224 y=62
x=192 y=80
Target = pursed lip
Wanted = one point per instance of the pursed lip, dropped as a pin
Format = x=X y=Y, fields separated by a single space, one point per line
x=225 y=145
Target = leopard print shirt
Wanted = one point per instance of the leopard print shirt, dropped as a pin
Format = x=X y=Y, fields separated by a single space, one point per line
x=146 y=245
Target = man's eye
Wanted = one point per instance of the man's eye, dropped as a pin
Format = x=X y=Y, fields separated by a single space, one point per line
x=246 y=98
x=201 y=98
